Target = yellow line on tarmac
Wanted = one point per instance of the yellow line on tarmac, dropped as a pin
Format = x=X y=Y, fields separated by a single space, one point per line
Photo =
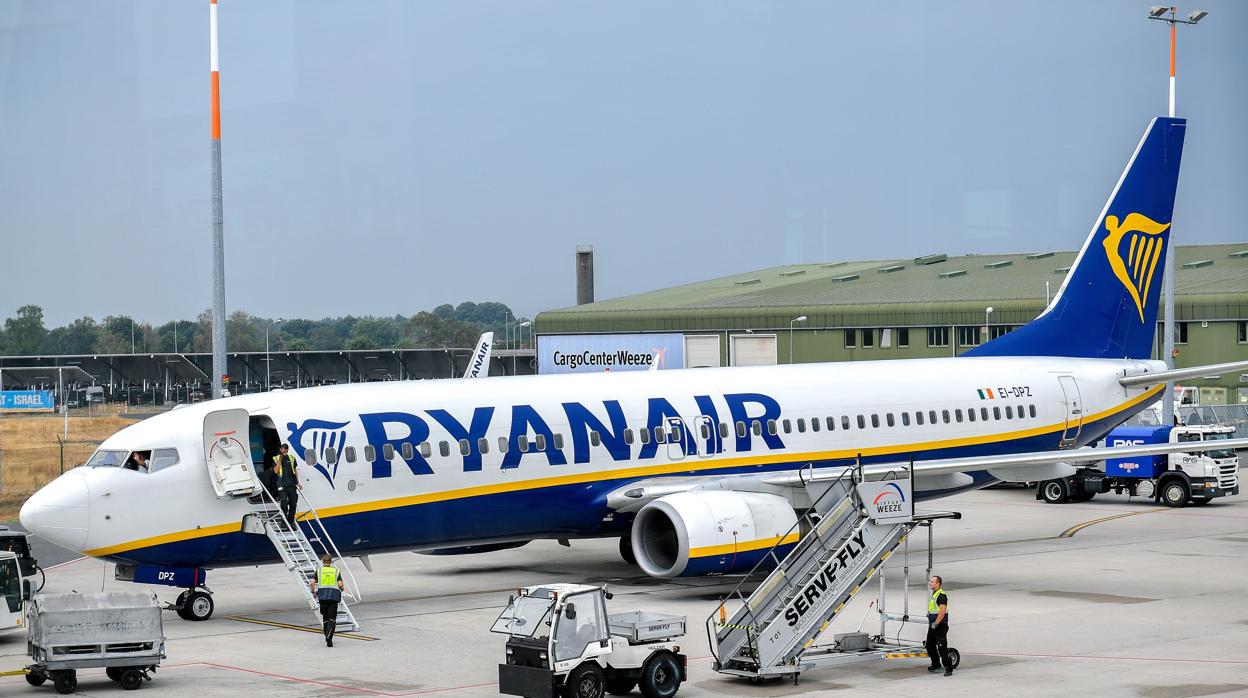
x=304 y=628
x=1070 y=532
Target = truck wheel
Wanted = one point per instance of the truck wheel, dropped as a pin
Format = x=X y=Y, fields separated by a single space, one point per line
x=621 y=685
x=586 y=681
x=626 y=550
x=1175 y=493
x=114 y=672
x=36 y=677
x=1055 y=491
x=198 y=605
x=660 y=677
x=131 y=679
x=65 y=682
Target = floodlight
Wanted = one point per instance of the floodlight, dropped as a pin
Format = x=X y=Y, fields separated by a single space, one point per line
x=1196 y=16
x=1156 y=11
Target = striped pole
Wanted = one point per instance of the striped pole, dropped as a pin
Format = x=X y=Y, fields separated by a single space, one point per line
x=219 y=368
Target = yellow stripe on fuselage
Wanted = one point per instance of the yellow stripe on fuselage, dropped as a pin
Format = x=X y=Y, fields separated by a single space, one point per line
x=743 y=547
x=686 y=466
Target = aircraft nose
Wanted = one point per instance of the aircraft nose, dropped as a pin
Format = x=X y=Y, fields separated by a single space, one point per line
x=61 y=511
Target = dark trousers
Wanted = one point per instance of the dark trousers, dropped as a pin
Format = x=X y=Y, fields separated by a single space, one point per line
x=937 y=644
x=288 y=499
x=329 y=618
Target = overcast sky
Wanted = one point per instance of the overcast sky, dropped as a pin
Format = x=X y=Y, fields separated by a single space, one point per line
x=385 y=157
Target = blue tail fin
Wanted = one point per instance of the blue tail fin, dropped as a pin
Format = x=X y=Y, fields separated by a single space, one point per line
x=1107 y=306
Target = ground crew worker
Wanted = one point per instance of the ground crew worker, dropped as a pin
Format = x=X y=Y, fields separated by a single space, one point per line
x=288 y=484
x=937 y=642
x=328 y=587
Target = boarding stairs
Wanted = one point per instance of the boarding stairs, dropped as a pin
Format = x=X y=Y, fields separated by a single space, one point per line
x=301 y=553
x=844 y=539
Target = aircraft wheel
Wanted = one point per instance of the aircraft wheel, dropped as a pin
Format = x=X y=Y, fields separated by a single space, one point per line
x=199 y=605
x=1055 y=491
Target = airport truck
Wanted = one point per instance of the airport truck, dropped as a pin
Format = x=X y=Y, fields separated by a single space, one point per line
x=1175 y=479
x=561 y=642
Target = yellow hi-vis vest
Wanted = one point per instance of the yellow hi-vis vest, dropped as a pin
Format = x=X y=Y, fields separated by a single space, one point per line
x=328 y=578
x=277 y=464
x=932 y=608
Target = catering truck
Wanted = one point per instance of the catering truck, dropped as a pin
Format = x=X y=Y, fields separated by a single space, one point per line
x=1174 y=479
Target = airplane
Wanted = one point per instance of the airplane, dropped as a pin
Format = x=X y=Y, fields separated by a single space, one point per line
x=678 y=464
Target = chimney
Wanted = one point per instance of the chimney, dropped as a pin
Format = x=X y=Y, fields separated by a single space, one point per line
x=584 y=274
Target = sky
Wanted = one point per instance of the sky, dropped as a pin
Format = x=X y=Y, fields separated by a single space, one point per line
x=381 y=158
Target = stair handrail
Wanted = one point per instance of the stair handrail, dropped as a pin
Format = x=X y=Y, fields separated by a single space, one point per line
x=353 y=586
x=853 y=472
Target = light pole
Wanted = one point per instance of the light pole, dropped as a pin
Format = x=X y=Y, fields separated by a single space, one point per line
x=175 y=336
x=799 y=318
x=268 y=365
x=526 y=323
x=131 y=335
x=1159 y=12
x=987 y=312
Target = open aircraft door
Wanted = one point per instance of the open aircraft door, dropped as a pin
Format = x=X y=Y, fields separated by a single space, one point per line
x=227 y=454
x=1073 y=407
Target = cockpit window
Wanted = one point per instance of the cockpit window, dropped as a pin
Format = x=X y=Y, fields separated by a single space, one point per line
x=108 y=459
x=162 y=458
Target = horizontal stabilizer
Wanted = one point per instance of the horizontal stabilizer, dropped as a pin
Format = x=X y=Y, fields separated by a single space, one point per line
x=1179 y=374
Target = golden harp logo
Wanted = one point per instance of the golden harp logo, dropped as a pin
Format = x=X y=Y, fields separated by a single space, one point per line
x=1143 y=247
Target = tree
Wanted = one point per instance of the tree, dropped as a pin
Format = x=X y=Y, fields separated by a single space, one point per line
x=180 y=339
x=78 y=337
x=373 y=333
x=115 y=334
x=25 y=333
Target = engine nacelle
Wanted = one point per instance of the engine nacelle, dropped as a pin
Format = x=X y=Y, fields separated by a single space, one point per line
x=710 y=531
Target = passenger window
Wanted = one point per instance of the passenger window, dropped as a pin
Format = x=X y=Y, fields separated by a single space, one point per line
x=945 y=414
x=541 y=442
x=594 y=439
x=788 y=426
x=1021 y=412
x=1032 y=410
x=705 y=429
x=559 y=441
x=931 y=417
x=426 y=449
x=483 y=445
x=408 y=451
x=918 y=417
x=814 y=424
x=370 y=453
x=888 y=419
x=723 y=430
x=757 y=428
x=660 y=435
x=831 y=423
x=628 y=435
x=983 y=414
x=905 y=419
x=644 y=433
x=309 y=457
x=331 y=455
x=162 y=458
x=350 y=454
x=771 y=427
x=741 y=429
x=875 y=421
x=845 y=422
x=957 y=414
x=996 y=413
x=387 y=451
x=970 y=415
x=522 y=443
x=862 y=422
x=444 y=449
x=464 y=447
x=502 y=444
x=1009 y=412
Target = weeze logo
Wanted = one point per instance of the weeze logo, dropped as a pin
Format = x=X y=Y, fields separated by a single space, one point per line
x=889 y=501
x=320 y=436
x=1145 y=246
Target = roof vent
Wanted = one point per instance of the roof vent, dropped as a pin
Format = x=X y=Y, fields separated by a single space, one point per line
x=1061 y=270
x=1238 y=254
x=998 y=265
x=1198 y=264
x=833 y=265
x=1039 y=255
x=891 y=268
x=793 y=272
x=931 y=259
x=747 y=282
x=951 y=274
x=845 y=277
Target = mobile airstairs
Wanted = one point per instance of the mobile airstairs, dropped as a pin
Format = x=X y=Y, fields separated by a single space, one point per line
x=852 y=528
x=301 y=552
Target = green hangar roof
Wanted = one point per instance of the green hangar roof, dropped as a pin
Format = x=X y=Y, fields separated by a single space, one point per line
x=930 y=290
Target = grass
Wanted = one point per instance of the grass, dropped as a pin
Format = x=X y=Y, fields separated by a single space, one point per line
x=30 y=456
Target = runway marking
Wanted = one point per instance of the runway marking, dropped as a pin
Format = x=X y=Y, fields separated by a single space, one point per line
x=1098 y=657
x=1070 y=532
x=304 y=628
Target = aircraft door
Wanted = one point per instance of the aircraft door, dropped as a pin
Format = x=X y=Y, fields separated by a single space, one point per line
x=679 y=440
x=227 y=454
x=1073 y=406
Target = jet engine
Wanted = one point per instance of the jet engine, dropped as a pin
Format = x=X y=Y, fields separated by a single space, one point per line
x=699 y=532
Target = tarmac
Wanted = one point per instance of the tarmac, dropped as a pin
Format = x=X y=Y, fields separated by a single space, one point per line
x=1107 y=598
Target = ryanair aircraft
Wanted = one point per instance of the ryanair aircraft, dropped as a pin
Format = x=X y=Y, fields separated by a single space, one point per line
x=696 y=471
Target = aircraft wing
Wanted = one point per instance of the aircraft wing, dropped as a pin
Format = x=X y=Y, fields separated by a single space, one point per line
x=930 y=474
